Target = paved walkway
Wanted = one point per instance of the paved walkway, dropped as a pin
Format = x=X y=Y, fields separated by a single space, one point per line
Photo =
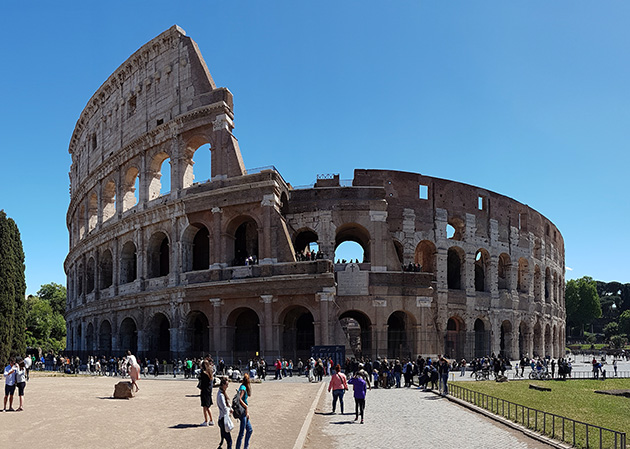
x=410 y=418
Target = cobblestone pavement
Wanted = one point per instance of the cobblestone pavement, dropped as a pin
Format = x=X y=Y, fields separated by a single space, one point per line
x=410 y=418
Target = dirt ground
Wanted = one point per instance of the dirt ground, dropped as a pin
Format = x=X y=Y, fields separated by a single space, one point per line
x=78 y=412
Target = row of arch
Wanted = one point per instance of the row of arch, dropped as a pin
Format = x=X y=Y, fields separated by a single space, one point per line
x=159 y=338
x=120 y=192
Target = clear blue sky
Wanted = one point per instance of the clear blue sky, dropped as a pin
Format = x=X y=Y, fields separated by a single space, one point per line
x=526 y=98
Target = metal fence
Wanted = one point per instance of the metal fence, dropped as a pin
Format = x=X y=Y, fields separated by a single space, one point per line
x=576 y=433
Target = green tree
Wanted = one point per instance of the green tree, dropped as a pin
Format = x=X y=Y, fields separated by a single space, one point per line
x=624 y=322
x=611 y=329
x=46 y=329
x=582 y=302
x=56 y=295
x=618 y=341
x=12 y=289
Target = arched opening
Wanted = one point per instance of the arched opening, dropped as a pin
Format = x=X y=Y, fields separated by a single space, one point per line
x=196 y=248
x=555 y=349
x=80 y=277
x=89 y=338
x=198 y=332
x=160 y=337
x=128 y=265
x=81 y=221
x=522 y=284
x=79 y=339
x=399 y=340
x=107 y=269
x=298 y=333
x=482 y=264
x=130 y=188
x=400 y=252
x=352 y=232
x=358 y=330
x=160 y=173
x=198 y=163
x=105 y=338
x=158 y=255
x=455 y=339
x=92 y=212
x=425 y=256
x=349 y=252
x=201 y=250
x=482 y=339
x=555 y=288
x=506 y=340
x=504 y=272
x=245 y=325
x=246 y=242
x=89 y=275
x=455 y=229
x=455 y=264
x=306 y=240
x=128 y=336
x=537 y=283
x=109 y=200
x=548 y=282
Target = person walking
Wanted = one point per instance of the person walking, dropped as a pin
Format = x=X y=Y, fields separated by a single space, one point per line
x=359 y=388
x=244 y=392
x=224 y=411
x=338 y=384
x=134 y=370
x=20 y=382
x=205 y=387
x=9 y=384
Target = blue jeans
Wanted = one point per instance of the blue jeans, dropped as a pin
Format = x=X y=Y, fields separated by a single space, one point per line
x=397 y=377
x=246 y=428
x=338 y=394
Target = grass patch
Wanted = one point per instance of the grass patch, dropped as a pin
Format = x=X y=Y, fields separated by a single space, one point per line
x=575 y=399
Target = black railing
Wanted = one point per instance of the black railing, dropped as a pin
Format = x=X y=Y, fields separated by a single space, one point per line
x=576 y=433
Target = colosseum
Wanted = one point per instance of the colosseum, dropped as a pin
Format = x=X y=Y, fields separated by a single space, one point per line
x=243 y=264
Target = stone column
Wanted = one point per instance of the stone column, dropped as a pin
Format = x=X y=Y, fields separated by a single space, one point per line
x=216 y=325
x=324 y=298
x=267 y=326
x=216 y=255
x=378 y=254
x=265 y=244
x=142 y=344
x=174 y=344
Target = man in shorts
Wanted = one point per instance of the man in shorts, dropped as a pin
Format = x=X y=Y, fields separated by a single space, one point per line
x=9 y=384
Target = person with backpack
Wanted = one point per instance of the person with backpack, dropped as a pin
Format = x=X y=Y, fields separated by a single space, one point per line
x=244 y=392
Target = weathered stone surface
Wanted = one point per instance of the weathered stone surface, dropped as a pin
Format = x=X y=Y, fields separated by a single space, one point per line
x=143 y=264
x=123 y=390
x=625 y=393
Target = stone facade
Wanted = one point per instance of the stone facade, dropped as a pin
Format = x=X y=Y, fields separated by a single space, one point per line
x=214 y=267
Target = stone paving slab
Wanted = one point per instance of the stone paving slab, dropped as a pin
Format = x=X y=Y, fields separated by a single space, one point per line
x=410 y=418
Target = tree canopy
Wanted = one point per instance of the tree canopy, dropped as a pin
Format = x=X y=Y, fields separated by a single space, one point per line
x=56 y=295
x=12 y=290
x=46 y=326
x=582 y=302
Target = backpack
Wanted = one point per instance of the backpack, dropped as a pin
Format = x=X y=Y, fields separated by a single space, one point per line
x=238 y=411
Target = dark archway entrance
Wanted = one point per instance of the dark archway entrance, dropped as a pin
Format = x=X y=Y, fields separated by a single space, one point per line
x=455 y=340
x=482 y=339
x=246 y=337
x=398 y=338
x=358 y=329
x=160 y=337
x=298 y=334
x=197 y=333
x=105 y=339
x=128 y=336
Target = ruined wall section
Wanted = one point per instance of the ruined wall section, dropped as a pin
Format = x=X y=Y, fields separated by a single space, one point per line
x=163 y=79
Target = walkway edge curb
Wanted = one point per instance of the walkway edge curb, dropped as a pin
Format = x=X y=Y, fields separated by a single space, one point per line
x=524 y=430
x=301 y=439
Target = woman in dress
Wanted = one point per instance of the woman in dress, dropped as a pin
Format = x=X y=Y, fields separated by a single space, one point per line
x=224 y=410
x=134 y=370
x=244 y=392
x=205 y=385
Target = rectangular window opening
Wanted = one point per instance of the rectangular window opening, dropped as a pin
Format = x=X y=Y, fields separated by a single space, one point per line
x=480 y=203
x=424 y=192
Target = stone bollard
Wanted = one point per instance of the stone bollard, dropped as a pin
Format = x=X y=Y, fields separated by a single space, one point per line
x=122 y=390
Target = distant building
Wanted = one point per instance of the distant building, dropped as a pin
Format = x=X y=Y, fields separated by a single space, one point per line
x=220 y=266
